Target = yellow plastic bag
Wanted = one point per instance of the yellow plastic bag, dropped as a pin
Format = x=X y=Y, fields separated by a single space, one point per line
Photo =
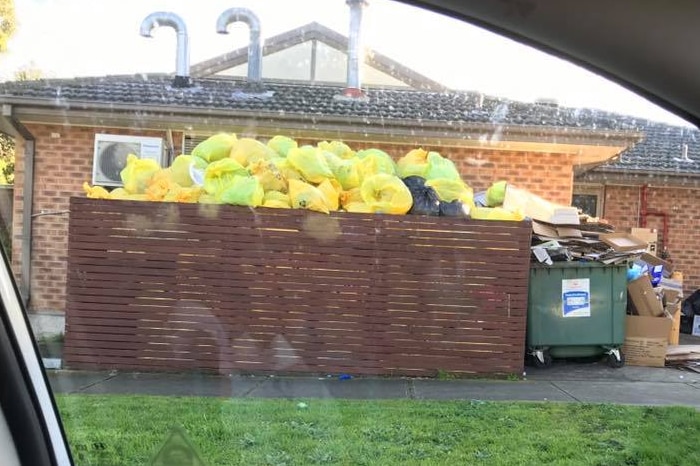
x=338 y=148
x=452 y=190
x=347 y=174
x=359 y=208
x=373 y=162
x=205 y=198
x=247 y=150
x=119 y=194
x=496 y=193
x=311 y=163
x=414 y=163
x=286 y=169
x=331 y=190
x=188 y=195
x=282 y=145
x=243 y=191
x=277 y=200
x=441 y=167
x=495 y=213
x=137 y=173
x=219 y=175
x=180 y=170
x=386 y=194
x=215 y=147
x=95 y=192
x=160 y=185
x=269 y=175
x=351 y=196
x=332 y=160
x=305 y=196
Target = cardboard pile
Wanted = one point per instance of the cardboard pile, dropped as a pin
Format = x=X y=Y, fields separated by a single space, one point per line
x=653 y=321
x=590 y=239
x=684 y=357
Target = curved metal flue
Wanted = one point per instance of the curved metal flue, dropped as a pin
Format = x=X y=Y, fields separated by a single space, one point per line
x=233 y=15
x=182 y=64
x=355 y=59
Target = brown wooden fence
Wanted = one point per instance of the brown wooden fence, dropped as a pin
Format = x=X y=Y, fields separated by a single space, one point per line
x=182 y=287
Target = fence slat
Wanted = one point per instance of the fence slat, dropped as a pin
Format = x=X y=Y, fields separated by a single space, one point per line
x=181 y=287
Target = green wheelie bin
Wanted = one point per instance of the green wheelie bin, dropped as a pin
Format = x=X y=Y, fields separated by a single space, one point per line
x=576 y=309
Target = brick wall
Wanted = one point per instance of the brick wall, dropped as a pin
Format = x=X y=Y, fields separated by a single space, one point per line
x=622 y=208
x=63 y=161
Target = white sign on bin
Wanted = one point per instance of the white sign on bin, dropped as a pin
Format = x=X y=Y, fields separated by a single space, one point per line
x=576 y=297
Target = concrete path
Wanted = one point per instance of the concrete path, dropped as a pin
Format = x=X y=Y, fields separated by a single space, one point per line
x=563 y=382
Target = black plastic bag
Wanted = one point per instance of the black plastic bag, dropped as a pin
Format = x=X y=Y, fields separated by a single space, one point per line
x=414 y=182
x=452 y=209
x=689 y=309
x=425 y=199
x=691 y=305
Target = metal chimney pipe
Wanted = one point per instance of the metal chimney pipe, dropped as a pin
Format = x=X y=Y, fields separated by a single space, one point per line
x=182 y=64
x=355 y=61
x=233 y=15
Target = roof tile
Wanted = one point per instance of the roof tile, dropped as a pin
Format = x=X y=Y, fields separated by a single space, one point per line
x=661 y=150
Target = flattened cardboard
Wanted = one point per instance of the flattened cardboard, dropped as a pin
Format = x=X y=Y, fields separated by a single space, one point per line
x=568 y=232
x=646 y=340
x=642 y=298
x=623 y=242
x=544 y=230
x=653 y=260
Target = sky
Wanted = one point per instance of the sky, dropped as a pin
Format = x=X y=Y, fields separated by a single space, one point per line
x=67 y=38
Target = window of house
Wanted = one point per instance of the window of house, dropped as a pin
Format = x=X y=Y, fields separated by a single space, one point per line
x=589 y=199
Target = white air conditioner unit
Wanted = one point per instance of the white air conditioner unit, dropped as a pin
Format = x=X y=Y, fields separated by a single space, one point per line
x=111 y=151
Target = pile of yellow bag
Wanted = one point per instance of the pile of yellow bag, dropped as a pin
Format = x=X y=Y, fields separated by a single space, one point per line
x=330 y=176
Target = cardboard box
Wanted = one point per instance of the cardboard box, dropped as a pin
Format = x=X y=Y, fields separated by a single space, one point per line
x=646 y=340
x=642 y=299
x=623 y=242
x=650 y=235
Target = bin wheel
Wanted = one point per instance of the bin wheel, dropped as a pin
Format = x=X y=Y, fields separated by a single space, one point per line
x=547 y=360
x=614 y=362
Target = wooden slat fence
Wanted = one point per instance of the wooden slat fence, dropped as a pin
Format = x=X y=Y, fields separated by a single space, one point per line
x=186 y=287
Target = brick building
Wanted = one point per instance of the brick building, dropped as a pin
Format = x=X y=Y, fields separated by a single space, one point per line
x=539 y=147
x=655 y=184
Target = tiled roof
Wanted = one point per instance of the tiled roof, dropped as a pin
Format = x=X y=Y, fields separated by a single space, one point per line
x=665 y=148
x=661 y=149
x=303 y=99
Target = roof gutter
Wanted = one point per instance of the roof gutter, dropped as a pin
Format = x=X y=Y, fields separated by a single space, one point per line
x=655 y=178
x=27 y=200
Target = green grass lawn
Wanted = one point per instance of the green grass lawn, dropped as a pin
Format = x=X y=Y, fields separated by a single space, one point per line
x=130 y=430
